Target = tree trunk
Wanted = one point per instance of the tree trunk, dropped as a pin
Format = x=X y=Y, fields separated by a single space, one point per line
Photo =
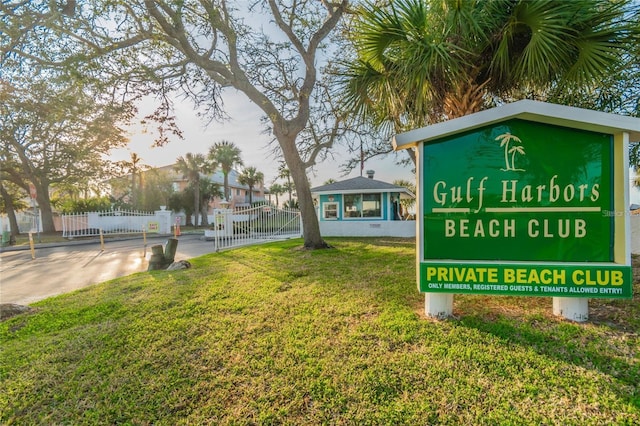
x=44 y=203
x=310 y=225
x=133 y=189
x=227 y=195
x=196 y=203
x=46 y=214
x=205 y=215
x=11 y=212
x=467 y=98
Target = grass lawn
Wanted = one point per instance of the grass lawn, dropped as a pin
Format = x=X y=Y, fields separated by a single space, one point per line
x=273 y=334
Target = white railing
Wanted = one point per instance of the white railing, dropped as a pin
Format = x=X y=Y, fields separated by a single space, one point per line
x=243 y=226
x=109 y=222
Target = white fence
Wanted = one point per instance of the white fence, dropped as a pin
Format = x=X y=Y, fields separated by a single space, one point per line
x=244 y=226
x=368 y=228
x=114 y=222
x=228 y=228
x=27 y=222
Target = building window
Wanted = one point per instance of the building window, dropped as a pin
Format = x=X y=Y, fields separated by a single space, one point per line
x=371 y=205
x=330 y=211
x=362 y=205
x=237 y=192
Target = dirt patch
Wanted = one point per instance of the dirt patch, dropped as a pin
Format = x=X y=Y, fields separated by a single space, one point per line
x=8 y=310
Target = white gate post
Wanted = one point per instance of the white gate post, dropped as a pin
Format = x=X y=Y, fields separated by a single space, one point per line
x=438 y=305
x=571 y=308
x=163 y=217
x=301 y=227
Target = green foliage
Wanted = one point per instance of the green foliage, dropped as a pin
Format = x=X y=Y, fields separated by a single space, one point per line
x=155 y=191
x=276 y=190
x=94 y=204
x=191 y=166
x=273 y=334
x=226 y=155
x=291 y=204
x=407 y=203
x=419 y=62
x=634 y=155
x=209 y=190
x=16 y=196
x=251 y=177
x=182 y=201
x=57 y=132
x=154 y=188
x=196 y=50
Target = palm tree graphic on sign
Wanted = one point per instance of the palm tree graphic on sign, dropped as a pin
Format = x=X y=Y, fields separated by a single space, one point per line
x=505 y=140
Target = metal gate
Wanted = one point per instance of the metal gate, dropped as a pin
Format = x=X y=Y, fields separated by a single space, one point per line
x=107 y=222
x=252 y=225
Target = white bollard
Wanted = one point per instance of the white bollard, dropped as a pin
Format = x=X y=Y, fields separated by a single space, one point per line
x=438 y=305
x=571 y=308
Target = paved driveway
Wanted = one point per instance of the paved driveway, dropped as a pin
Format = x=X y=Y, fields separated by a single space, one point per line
x=68 y=267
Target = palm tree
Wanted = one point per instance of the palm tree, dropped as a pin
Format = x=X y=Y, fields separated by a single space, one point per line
x=226 y=155
x=191 y=165
x=285 y=173
x=277 y=189
x=208 y=191
x=293 y=205
x=419 y=62
x=134 y=167
x=135 y=160
x=251 y=177
x=407 y=203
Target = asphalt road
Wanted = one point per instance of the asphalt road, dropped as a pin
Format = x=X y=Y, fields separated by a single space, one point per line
x=68 y=267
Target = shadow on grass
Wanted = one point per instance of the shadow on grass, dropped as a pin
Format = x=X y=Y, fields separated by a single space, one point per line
x=383 y=270
x=601 y=347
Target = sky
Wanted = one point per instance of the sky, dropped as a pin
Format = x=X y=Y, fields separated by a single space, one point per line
x=244 y=130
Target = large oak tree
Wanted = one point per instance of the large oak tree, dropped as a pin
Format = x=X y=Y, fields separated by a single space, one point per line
x=271 y=51
x=56 y=134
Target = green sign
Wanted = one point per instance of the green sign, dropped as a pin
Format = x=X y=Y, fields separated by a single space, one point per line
x=520 y=191
x=527 y=280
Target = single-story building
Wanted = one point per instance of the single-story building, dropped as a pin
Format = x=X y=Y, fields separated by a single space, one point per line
x=363 y=207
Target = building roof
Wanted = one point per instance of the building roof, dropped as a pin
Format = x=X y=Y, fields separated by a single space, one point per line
x=360 y=184
x=542 y=112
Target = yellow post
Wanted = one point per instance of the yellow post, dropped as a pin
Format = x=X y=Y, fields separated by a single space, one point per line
x=33 y=249
x=144 y=238
x=101 y=240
